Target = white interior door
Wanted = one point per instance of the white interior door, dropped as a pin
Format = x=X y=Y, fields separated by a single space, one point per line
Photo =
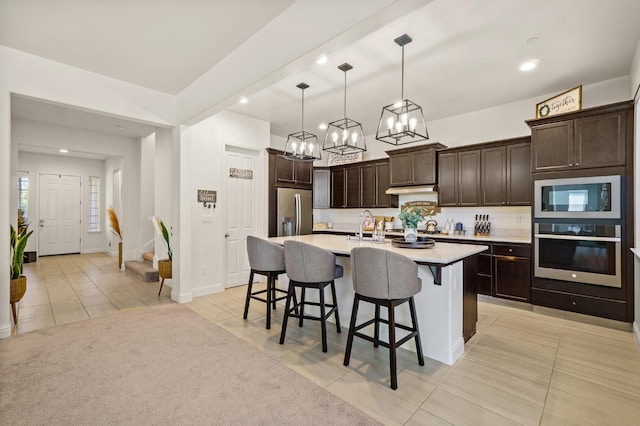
x=59 y=214
x=243 y=201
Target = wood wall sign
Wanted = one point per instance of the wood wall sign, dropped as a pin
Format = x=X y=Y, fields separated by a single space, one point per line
x=568 y=101
x=334 y=159
x=240 y=173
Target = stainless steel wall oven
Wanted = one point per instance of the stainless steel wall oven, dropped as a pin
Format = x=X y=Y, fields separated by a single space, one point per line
x=585 y=252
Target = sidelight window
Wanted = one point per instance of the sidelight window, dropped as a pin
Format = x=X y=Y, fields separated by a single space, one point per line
x=94 y=204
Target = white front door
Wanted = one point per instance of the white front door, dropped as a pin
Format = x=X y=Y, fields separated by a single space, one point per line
x=243 y=202
x=59 y=214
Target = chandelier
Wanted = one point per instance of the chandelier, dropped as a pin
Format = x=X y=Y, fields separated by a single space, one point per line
x=402 y=122
x=344 y=136
x=302 y=146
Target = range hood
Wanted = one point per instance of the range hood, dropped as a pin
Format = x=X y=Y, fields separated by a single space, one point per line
x=421 y=189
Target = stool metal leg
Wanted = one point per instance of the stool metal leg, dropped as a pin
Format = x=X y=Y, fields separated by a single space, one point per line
x=376 y=329
x=273 y=289
x=412 y=309
x=246 y=302
x=269 y=298
x=392 y=346
x=352 y=329
x=287 y=307
x=335 y=303
x=301 y=307
x=323 y=319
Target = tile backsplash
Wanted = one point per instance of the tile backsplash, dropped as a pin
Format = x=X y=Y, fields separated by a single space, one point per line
x=505 y=221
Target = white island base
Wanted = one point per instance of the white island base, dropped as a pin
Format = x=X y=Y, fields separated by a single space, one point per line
x=439 y=307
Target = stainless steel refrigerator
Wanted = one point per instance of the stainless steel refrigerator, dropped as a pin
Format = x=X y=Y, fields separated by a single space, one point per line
x=295 y=212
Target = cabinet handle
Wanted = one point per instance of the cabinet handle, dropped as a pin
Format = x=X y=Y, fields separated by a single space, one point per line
x=510 y=250
x=504 y=203
x=570 y=164
x=577 y=164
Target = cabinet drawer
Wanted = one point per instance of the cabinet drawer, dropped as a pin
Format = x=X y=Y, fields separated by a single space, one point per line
x=606 y=308
x=512 y=250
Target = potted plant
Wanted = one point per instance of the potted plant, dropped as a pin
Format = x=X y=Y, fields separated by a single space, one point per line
x=410 y=217
x=164 y=265
x=115 y=229
x=18 y=282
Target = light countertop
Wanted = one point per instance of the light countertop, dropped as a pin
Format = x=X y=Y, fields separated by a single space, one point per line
x=466 y=237
x=442 y=253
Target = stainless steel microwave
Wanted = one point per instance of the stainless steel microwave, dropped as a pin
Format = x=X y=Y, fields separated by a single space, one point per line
x=593 y=197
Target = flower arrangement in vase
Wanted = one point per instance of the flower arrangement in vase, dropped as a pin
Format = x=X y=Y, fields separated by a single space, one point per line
x=410 y=217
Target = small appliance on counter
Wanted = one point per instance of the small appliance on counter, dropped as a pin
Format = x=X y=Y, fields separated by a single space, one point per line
x=431 y=227
x=482 y=227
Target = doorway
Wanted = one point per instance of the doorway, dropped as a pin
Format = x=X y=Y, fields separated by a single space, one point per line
x=59 y=214
x=243 y=208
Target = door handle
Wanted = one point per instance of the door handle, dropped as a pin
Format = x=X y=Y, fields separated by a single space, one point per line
x=41 y=223
x=226 y=235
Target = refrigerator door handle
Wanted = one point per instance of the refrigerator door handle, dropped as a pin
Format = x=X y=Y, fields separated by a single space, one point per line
x=298 y=213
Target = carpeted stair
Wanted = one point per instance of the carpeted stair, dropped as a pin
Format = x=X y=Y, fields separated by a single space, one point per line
x=144 y=268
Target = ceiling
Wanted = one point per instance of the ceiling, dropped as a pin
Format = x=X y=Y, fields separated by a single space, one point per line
x=464 y=55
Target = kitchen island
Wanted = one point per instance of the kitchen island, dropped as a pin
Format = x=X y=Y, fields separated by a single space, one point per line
x=440 y=303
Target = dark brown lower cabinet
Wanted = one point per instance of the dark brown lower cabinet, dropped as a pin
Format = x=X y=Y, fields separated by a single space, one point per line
x=512 y=277
x=469 y=297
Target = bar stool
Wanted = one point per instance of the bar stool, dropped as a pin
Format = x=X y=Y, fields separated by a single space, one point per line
x=265 y=258
x=387 y=279
x=310 y=267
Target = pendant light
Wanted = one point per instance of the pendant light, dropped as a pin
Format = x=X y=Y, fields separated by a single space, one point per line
x=344 y=136
x=402 y=122
x=302 y=146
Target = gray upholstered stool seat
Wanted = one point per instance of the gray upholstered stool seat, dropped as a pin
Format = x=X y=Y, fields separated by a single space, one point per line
x=388 y=279
x=310 y=267
x=265 y=258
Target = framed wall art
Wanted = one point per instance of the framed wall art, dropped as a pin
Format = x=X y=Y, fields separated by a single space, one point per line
x=568 y=101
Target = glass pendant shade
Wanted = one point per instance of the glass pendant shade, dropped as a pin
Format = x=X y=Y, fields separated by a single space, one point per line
x=302 y=146
x=402 y=122
x=344 y=136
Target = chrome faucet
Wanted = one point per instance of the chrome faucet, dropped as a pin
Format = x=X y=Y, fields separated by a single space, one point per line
x=361 y=224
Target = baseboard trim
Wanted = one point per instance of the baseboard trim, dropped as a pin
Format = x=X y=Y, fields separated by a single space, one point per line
x=636 y=332
x=209 y=289
x=93 y=250
x=5 y=331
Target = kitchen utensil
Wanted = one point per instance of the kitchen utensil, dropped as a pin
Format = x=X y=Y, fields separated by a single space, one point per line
x=432 y=226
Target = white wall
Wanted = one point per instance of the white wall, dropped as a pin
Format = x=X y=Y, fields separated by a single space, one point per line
x=121 y=152
x=147 y=194
x=40 y=78
x=34 y=163
x=206 y=149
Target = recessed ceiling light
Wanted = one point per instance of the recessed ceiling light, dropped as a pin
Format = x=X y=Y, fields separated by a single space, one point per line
x=322 y=60
x=532 y=40
x=64 y=151
x=322 y=126
x=528 y=65
x=243 y=100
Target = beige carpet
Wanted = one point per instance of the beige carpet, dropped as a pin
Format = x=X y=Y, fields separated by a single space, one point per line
x=159 y=365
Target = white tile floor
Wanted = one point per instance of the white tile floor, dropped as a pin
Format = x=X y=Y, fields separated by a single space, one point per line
x=545 y=367
x=65 y=289
x=522 y=367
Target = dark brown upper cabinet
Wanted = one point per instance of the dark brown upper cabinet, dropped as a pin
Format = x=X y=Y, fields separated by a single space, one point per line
x=353 y=191
x=375 y=181
x=338 y=189
x=506 y=175
x=595 y=137
x=294 y=172
x=459 y=178
x=413 y=166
